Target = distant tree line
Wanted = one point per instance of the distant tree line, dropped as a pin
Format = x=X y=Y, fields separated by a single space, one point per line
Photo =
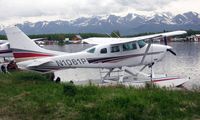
x=70 y=36
x=3 y=37
x=192 y=32
x=115 y=34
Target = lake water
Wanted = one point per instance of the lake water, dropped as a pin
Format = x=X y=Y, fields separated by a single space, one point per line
x=185 y=64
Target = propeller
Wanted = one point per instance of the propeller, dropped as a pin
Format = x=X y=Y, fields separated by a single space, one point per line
x=171 y=51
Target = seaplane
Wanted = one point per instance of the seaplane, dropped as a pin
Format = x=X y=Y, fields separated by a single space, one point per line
x=108 y=53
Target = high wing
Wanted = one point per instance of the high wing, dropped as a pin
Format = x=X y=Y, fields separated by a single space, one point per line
x=3 y=41
x=100 y=41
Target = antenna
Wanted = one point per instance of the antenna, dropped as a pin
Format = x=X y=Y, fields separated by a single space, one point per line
x=116 y=34
x=109 y=35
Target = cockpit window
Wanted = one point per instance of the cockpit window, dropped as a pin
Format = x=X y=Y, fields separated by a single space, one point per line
x=115 y=49
x=134 y=46
x=92 y=50
x=129 y=46
x=103 y=51
x=141 y=43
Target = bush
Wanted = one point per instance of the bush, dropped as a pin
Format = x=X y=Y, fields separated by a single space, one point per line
x=69 y=89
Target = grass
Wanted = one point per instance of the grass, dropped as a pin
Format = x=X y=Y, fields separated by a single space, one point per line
x=26 y=95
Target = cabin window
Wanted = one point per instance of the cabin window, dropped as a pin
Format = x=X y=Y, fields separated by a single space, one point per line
x=115 y=49
x=92 y=50
x=134 y=46
x=103 y=51
x=141 y=43
x=129 y=46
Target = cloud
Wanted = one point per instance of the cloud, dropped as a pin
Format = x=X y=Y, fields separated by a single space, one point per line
x=144 y=5
x=21 y=10
x=180 y=6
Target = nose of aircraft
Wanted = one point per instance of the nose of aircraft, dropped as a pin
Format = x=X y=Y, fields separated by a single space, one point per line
x=168 y=47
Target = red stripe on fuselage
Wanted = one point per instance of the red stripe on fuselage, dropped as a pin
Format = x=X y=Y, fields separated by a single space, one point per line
x=25 y=55
x=167 y=79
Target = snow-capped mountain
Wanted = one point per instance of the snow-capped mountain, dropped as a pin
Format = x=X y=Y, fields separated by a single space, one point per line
x=129 y=24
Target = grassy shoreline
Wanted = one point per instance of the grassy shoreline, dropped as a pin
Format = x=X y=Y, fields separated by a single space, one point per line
x=26 y=95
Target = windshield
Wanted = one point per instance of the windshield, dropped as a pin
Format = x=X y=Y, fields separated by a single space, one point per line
x=141 y=43
x=91 y=50
x=129 y=46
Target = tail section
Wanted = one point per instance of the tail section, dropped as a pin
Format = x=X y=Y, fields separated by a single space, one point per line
x=24 y=48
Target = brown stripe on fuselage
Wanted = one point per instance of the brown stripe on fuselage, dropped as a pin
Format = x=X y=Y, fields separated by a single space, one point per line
x=117 y=58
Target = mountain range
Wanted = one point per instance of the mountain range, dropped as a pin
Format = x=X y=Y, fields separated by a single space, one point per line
x=126 y=25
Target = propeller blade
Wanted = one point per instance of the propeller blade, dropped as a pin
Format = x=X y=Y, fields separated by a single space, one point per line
x=171 y=51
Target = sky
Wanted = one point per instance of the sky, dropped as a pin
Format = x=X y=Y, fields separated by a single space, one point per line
x=17 y=11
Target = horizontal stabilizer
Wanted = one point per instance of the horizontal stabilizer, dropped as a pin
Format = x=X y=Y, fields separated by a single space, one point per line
x=39 y=62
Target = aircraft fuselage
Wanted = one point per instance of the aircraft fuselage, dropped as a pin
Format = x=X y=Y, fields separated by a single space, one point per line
x=99 y=59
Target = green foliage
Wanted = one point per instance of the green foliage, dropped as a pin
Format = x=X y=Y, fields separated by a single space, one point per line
x=61 y=42
x=26 y=95
x=88 y=35
x=70 y=35
x=69 y=89
x=3 y=37
x=192 y=32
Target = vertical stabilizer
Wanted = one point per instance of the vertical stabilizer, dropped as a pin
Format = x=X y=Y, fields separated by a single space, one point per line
x=24 y=48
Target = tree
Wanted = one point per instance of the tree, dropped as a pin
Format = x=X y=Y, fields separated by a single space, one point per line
x=61 y=38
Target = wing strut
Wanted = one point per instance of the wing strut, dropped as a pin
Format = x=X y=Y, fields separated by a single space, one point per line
x=146 y=51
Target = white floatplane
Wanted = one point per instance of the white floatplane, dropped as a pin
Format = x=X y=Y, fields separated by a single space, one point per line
x=108 y=53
